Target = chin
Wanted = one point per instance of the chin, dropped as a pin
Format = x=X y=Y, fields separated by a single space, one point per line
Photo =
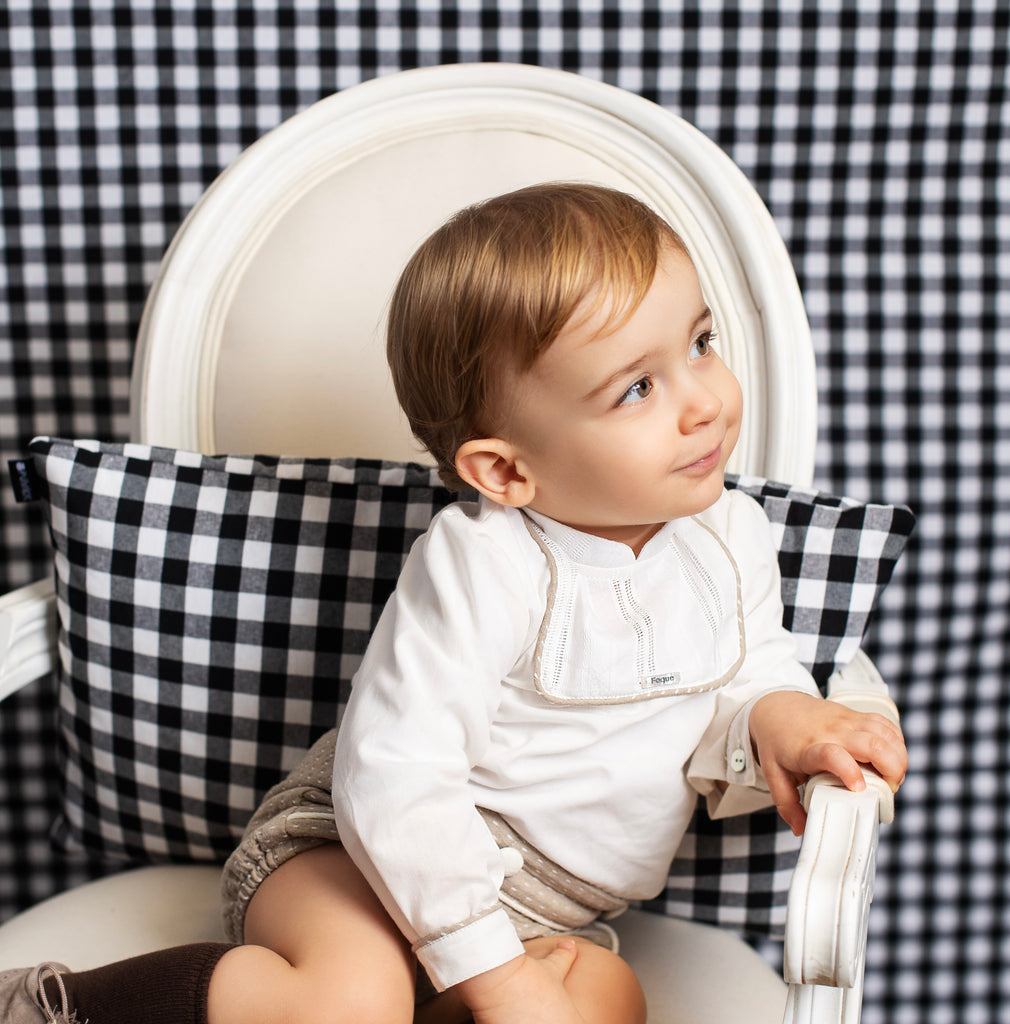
x=708 y=494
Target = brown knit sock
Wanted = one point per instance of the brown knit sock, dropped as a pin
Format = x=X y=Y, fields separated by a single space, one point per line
x=166 y=987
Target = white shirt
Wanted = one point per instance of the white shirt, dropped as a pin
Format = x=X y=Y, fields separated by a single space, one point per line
x=585 y=695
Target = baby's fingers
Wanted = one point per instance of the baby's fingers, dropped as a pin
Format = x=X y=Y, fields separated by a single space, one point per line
x=837 y=760
x=891 y=765
x=880 y=744
x=785 y=794
x=561 y=958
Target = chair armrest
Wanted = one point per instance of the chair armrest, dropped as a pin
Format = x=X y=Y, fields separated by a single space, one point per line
x=859 y=686
x=27 y=635
x=832 y=887
x=828 y=909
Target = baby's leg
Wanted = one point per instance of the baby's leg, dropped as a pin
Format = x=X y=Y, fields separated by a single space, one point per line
x=602 y=985
x=320 y=946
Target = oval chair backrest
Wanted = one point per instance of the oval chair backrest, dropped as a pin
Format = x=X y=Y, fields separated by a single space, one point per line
x=264 y=329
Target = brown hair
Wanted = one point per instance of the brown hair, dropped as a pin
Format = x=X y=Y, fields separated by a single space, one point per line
x=492 y=288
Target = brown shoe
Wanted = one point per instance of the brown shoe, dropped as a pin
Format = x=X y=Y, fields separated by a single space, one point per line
x=23 y=998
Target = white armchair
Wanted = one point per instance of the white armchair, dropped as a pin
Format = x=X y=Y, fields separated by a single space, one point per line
x=344 y=191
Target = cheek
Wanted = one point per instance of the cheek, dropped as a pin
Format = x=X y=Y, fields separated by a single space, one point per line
x=732 y=406
x=734 y=397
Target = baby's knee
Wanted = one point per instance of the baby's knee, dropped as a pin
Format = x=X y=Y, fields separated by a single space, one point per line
x=602 y=985
x=359 y=1003
x=254 y=983
x=611 y=988
x=337 y=997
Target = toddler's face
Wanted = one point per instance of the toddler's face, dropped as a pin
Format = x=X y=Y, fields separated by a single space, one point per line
x=623 y=430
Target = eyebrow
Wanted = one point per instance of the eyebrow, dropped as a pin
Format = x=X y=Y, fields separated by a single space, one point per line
x=638 y=364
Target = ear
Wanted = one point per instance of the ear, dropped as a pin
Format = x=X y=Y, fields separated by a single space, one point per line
x=493 y=467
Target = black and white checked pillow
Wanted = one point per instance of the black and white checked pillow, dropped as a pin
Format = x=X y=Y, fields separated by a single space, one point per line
x=212 y=610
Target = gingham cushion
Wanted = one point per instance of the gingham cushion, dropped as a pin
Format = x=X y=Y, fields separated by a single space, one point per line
x=212 y=611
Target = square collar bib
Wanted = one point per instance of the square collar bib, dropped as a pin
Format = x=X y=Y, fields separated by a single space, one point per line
x=618 y=628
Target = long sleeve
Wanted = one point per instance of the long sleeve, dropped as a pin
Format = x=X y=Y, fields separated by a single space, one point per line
x=418 y=720
x=723 y=767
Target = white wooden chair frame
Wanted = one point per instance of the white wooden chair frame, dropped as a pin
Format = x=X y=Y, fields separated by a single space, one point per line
x=572 y=127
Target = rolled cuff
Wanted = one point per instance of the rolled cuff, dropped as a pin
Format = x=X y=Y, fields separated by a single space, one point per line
x=730 y=777
x=478 y=945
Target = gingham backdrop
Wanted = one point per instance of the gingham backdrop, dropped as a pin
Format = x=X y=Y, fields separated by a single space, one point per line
x=879 y=136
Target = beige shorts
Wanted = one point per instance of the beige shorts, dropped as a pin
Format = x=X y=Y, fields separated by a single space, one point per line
x=539 y=897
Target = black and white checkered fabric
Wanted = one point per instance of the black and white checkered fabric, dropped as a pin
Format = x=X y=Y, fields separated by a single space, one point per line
x=877 y=134
x=835 y=555
x=213 y=609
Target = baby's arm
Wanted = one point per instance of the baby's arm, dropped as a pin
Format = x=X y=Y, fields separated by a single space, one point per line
x=796 y=735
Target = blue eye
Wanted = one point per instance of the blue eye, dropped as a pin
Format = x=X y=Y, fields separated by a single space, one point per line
x=639 y=390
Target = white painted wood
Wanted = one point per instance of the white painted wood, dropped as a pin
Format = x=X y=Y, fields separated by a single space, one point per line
x=27 y=635
x=832 y=886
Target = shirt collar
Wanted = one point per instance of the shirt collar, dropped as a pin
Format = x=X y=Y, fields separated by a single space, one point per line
x=598 y=552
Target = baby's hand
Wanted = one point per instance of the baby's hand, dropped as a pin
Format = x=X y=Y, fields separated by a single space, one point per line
x=526 y=990
x=796 y=736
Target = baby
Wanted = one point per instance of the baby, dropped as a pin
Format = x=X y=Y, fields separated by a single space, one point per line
x=566 y=663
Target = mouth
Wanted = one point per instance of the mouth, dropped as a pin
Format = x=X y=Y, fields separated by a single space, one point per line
x=705 y=464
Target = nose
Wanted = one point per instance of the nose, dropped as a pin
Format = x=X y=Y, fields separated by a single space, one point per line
x=699 y=404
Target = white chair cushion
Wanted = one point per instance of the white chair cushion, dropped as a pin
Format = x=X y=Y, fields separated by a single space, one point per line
x=118 y=916
x=692 y=973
